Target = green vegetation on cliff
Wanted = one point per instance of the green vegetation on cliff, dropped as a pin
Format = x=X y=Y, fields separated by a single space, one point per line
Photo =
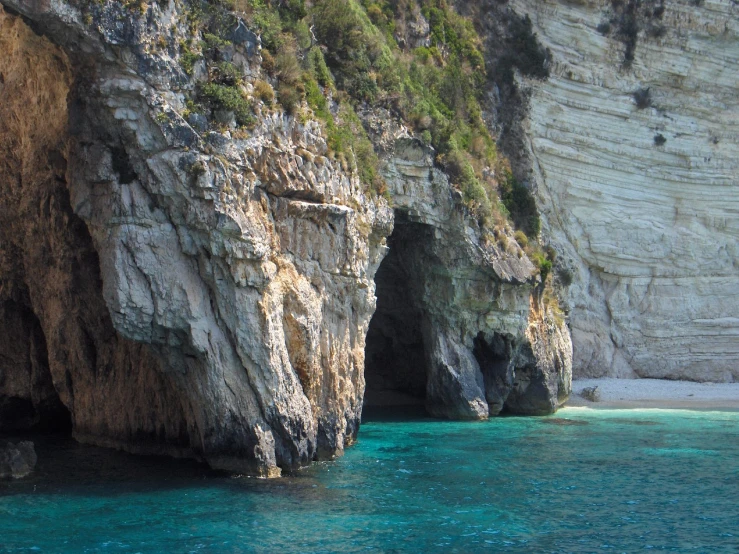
x=349 y=54
x=418 y=59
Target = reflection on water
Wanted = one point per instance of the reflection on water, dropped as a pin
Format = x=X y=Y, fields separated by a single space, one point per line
x=626 y=480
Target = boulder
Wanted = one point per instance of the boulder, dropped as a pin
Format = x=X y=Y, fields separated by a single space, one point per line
x=591 y=394
x=17 y=460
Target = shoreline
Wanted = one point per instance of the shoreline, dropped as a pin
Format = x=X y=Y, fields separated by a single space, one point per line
x=655 y=394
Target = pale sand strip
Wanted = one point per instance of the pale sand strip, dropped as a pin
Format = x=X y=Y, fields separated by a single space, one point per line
x=657 y=393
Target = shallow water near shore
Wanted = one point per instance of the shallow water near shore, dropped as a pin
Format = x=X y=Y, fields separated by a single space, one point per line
x=579 y=481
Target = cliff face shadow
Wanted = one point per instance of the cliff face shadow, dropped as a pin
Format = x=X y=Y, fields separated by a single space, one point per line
x=395 y=357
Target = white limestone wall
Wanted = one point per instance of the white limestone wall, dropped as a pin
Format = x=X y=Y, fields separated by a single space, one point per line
x=649 y=231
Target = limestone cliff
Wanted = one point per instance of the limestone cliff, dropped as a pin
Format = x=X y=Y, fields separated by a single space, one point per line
x=166 y=287
x=632 y=148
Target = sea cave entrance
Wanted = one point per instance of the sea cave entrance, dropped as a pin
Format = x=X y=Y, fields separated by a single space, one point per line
x=395 y=357
x=28 y=399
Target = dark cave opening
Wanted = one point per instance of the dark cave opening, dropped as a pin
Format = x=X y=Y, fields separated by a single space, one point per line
x=395 y=357
x=29 y=401
x=494 y=357
x=122 y=165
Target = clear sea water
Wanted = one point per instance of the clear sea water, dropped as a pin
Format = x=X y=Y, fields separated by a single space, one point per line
x=580 y=481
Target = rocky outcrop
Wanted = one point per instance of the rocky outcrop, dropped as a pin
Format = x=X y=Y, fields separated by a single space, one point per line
x=635 y=167
x=168 y=289
x=17 y=460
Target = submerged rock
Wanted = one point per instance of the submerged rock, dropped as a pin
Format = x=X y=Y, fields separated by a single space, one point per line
x=564 y=422
x=17 y=460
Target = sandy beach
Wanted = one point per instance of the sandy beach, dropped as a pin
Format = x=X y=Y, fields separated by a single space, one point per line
x=657 y=393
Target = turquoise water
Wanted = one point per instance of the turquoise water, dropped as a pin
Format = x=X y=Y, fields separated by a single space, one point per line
x=580 y=481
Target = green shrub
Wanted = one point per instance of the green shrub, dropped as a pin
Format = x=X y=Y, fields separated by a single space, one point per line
x=454 y=32
x=642 y=98
x=317 y=65
x=229 y=98
x=565 y=276
x=292 y=10
x=604 y=27
x=188 y=58
x=462 y=174
x=260 y=14
x=347 y=136
x=302 y=34
x=268 y=62
x=226 y=73
x=523 y=52
x=631 y=16
x=286 y=63
x=543 y=264
x=520 y=203
x=357 y=51
x=197 y=169
x=214 y=42
x=422 y=54
x=656 y=31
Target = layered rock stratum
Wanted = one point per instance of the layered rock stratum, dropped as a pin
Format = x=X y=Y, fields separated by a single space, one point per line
x=635 y=163
x=172 y=290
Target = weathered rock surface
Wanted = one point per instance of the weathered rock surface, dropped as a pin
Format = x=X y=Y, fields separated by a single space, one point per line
x=647 y=231
x=17 y=460
x=169 y=290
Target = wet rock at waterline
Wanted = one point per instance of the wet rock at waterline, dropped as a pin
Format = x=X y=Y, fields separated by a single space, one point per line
x=17 y=460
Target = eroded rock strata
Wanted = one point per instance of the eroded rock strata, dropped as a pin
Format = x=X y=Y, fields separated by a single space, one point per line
x=207 y=294
x=633 y=148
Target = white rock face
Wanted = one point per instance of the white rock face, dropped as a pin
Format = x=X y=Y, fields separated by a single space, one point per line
x=649 y=231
